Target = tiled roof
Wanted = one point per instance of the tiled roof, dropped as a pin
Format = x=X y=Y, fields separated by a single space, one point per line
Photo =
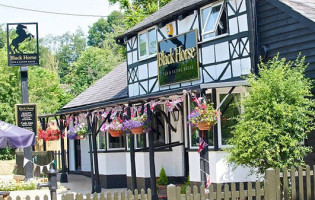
x=172 y=9
x=111 y=87
x=304 y=7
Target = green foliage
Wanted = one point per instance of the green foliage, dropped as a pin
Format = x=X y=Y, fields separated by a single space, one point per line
x=279 y=112
x=7 y=154
x=93 y=64
x=18 y=186
x=183 y=188
x=163 y=180
x=137 y=10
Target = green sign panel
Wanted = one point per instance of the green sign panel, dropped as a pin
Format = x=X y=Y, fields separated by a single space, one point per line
x=178 y=59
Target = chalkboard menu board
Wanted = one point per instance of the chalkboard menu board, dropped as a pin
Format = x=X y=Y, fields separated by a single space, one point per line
x=26 y=116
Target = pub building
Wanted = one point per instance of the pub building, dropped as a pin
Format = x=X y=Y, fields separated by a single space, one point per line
x=193 y=46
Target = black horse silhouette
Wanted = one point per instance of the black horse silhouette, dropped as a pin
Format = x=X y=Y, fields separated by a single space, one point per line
x=22 y=35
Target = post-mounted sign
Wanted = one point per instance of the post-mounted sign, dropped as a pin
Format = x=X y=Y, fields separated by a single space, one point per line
x=26 y=116
x=22 y=40
x=178 y=59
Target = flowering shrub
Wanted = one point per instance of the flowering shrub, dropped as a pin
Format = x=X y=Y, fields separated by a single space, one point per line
x=49 y=134
x=203 y=113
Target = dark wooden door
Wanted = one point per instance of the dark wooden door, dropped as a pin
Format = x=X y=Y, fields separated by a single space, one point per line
x=77 y=154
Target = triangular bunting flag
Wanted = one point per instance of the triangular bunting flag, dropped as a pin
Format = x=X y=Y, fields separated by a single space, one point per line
x=41 y=169
x=25 y=161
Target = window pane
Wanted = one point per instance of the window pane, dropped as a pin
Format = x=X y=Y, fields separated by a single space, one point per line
x=143 y=44
x=205 y=14
x=140 y=141
x=101 y=140
x=229 y=112
x=152 y=42
x=195 y=137
x=116 y=142
x=213 y=18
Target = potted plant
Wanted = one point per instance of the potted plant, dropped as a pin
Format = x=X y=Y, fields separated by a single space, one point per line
x=136 y=125
x=162 y=184
x=203 y=116
x=114 y=128
x=81 y=131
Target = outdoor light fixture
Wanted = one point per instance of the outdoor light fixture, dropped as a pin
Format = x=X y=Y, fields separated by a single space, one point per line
x=175 y=114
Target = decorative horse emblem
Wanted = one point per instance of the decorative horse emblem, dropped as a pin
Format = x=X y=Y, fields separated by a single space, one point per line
x=22 y=35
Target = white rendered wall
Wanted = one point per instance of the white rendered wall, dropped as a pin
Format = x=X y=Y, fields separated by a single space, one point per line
x=220 y=170
x=112 y=163
x=71 y=156
x=85 y=156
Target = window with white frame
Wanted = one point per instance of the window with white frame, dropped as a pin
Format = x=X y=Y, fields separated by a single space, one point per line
x=147 y=43
x=214 y=20
x=230 y=109
x=101 y=141
x=115 y=143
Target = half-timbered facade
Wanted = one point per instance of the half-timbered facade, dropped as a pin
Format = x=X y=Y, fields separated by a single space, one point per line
x=223 y=39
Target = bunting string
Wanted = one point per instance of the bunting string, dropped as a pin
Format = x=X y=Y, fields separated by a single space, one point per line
x=41 y=167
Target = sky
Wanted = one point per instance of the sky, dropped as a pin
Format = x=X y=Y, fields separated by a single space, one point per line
x=55 y=24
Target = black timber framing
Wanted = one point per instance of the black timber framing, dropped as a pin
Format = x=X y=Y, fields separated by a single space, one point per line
x=44 y=124
x=132 y=156
x=61 y=125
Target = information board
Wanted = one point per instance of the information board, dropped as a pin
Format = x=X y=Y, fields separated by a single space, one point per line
x=26 y=116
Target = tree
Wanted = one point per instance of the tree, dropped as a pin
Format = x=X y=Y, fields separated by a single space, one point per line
x=93 y=64
x=137 y=10
x=67 y=49
x=279 y=112
x=101 y=29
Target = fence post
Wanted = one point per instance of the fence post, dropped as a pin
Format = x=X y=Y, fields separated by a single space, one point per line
x=171 y=192
x=270 y=185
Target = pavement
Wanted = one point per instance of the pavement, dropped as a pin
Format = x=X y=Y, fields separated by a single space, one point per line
x=77 y=184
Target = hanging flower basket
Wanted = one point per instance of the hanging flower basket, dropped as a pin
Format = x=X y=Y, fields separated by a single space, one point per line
x=80 y=137
x=204 y=126
x=138 y=130
x=203 y=116
x=115 y=133
x=49 y=134
x=136 y=125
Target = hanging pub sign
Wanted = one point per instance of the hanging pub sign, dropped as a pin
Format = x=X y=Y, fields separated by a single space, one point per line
x=178 y=59
x=22 y=40
x=26 y=116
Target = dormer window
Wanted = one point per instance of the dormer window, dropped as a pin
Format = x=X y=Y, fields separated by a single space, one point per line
x=147 y=43
x=214 y=20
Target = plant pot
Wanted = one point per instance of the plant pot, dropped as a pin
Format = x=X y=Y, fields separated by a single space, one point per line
x=80 y=137
x=115 y=133
x=138 y=130
x=162 y=191
x=204 y=126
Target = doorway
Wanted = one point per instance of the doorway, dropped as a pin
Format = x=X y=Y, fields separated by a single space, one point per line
x=77 y=154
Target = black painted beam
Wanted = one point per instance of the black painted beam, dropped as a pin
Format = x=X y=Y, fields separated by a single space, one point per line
x=154 y=195
x=61 y=126
x=132 y=155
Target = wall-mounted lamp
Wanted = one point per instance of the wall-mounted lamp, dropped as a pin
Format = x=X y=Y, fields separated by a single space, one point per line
x=175 y=114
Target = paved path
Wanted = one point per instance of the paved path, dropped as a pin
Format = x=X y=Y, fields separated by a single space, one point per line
x=76 y=184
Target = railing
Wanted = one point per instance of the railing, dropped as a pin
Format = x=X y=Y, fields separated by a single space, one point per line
x=58 y=160
x=277 y=186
